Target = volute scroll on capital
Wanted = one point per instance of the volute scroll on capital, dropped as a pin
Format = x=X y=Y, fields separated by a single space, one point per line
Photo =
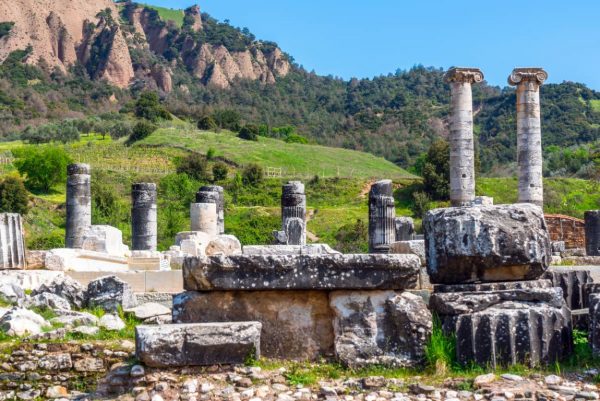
x=463 y=74
x=519 y=75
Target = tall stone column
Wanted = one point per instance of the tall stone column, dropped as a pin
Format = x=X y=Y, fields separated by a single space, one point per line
x=79 y=204
x=382 y=217
x=462 y=151
x=529 y=133
x=293 y=212
x=214 y=194
x=143 y=217
x=592 y=232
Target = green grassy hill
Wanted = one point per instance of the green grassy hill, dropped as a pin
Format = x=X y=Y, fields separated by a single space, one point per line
x=169 y=14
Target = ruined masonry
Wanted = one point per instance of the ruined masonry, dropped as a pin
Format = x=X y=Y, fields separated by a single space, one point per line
x=382 y=217
x=213 y=194
x=143 y=217
x=293 y=215
x=462 y=150
x=529 y=133
x=12 y=246
x=79 y=204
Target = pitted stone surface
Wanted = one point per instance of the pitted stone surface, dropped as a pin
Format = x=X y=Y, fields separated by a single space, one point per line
x=12 y=244
x=309 y=249
x=65 y=287
x=110 y=293
x=143 y=217
x=592 y=232
x=197 y=344
x=405 y=228
x=497 y=286
x=293 y=213
x=413 y=247
x=594 y=323
x=488 y=243
x=306 y=272
x=214 y=194
x=380 y=327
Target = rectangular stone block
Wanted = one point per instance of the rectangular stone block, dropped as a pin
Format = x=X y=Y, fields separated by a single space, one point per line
x=175 y=345
x=295 y=324
x=301 y=272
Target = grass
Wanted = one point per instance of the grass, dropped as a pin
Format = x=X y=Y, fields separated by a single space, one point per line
x=595 y=104
x=294 y=159
x=169 y=14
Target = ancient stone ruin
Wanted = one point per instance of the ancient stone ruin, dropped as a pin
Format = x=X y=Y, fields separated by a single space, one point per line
x=382 y=217
x=143 y=217
x=293 y=215
x=79 y=204
x=12 y=246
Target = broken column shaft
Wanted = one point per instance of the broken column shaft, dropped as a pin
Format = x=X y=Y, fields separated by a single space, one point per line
x=143 y=217
x=529 y=133
x=79 y=204
x=462 y=150
x=214 y=194
x=382 y=217
x=592 y=232
x=12 y=247
x=204 y=217
x=293 y=212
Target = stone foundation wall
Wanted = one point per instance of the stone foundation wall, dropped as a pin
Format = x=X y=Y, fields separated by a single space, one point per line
x=565 y=228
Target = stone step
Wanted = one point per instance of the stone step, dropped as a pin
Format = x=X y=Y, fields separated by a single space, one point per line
x=197 y=344
x=301 y=272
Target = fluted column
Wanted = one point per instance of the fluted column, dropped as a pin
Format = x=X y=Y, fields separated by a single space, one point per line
x=79 y=204
x=144 y=218
x=12 y=245
x=382 y=217
x=293 y=212
x=462 y=150
x=529 y=133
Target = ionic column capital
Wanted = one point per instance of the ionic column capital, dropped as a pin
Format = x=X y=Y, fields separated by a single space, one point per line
x=535 y=74
x=463 y=74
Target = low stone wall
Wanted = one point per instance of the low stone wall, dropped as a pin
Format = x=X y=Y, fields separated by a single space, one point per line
x=566 y=228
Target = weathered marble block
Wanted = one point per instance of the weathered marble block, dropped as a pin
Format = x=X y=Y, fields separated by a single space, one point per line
x=309 y=249
x=295 y=324
x=175 y=345
x=572 y=280
x=380 y=327
x=301 y=272
x=413 y=247
x=505 y=323
x=594 y=323
x=405 y=228
x=486 y=243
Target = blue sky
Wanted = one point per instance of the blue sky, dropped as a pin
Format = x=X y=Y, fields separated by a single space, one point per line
x=351 y=38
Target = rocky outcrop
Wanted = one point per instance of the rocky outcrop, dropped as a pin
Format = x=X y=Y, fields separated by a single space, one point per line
x=486 y=243
x=57 y=30
x=193 y=18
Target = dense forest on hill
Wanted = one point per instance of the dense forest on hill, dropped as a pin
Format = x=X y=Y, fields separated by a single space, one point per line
x=396 y=116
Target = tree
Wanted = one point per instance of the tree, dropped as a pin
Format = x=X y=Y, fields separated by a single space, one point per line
x=249 y=132
x=207 y=123
x=220 y=171
x=148 y=106
x=195 y=166
x=228 y=119
x=141 y=130
x=421 y=204
x=13 y=196
x=252 y=175
x=436 y=170
x=42 y=167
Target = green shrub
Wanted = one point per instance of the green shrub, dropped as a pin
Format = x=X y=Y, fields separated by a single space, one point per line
x=227 y=119
x=249 y=132
x=141 y=130
x=421 y=204
x=42 y=167
x=177 y=189
x=436 y=170
x=295 y=138
x=220 y=171
x=195 y=166
x=107 y=206
x=207 y=123
x=5 y=28
x=148 y=106
x=353 y=238
x=441 y=349
x=252 y=175
x=13 y=196
x=51 y=240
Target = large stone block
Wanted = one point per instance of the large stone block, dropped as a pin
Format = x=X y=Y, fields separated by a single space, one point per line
x=110 y=293
x=508 y=324
x=405 y=228
x=295 y=324
x=413 y=247
x=594 y=323
x=104 y=239
x=309 y=249
x=487 y=243
x=380 y=327
x=301 y=272
x=175 y=345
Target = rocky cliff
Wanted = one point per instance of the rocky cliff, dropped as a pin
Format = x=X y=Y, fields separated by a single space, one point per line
x=101 y=37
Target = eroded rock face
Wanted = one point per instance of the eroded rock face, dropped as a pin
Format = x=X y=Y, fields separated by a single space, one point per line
x=110 y=293
x=487 y=243
x=21 y=322
x=295 y=324
x=306 y=272
x=224 y=245
x=197 y=344
x=380 y=327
